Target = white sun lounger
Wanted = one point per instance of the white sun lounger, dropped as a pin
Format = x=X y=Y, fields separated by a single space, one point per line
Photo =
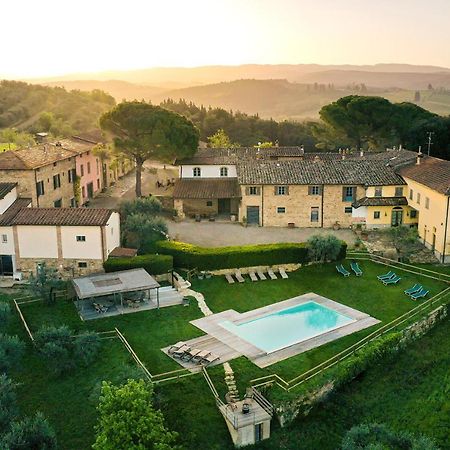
x=176 y=346
x=209 y=359
x=229 y=278
x=200 y=356
x=181 y=351
x=239 y=276
x=253 y=276
x=261 y=275
x=283 y=273
x=271 y=274
x=190 y=354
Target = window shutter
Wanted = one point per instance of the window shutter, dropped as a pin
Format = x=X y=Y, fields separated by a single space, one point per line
x=258 y=191
x=354 y=193
x=343 y=193
x=320 y=190
x=287 y=190
x=247 y=191
x=310 y=190
x=276 y=190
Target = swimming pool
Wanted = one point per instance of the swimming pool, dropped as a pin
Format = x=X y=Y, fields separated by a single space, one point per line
x=288 y=326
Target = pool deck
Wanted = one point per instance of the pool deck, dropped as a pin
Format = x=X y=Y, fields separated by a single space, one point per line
x=211 y=326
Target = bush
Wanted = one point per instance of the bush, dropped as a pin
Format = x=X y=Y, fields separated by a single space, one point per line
x=324 y=248
x=11 y=351
x=8 y=403
x=378 y=436
x=86 y=347
x=31 y=433
x=153 y=264
x=55 y=335
x=204 y=258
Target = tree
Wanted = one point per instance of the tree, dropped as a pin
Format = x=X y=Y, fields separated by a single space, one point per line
x=31 y=433
x=323 y=248
x=142 y=131
x=86 y=347
x=5 y=314
x=145 y=230
x=128 y=420
x=8 y=403
x=221 y=140
x=266 y=144
x=15 y=138
x=378 y=437
x=45 y=282
x=11 y=352
x=144 y=205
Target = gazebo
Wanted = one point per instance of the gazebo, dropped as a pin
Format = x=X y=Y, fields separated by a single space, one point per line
x=112 y=289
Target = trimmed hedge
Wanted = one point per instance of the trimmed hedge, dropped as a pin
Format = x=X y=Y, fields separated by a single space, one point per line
x=153 y=264
x=189 y=256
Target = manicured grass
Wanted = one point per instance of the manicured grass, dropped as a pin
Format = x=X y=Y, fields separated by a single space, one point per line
x=188 y=405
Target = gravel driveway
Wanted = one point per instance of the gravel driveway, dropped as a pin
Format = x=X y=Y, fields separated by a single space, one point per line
x=218 y=234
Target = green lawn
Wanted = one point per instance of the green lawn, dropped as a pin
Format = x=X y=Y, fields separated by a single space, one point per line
x=188 y=404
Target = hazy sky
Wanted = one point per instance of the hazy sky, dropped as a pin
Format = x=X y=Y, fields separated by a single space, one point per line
x=53 y=37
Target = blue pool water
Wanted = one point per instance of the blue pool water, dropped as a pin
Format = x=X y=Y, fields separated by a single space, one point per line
x=288 y=326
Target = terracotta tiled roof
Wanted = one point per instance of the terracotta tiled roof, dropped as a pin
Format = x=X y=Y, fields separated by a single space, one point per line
x=11 y=160
x=13 y=210
x=6 y=188
x=310 y=172
x=206 y=188
x=62 y=216
x=431 y=172
x=380 y=201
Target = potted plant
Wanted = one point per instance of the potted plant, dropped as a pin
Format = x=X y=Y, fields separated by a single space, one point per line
x=244 y=221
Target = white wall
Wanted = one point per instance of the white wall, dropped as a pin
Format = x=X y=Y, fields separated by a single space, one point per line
x=90 y=249
x=112 y=231
x=359 y=212
x=207 y=171
x=37 y=241
x=8 y=200
x=7 y=248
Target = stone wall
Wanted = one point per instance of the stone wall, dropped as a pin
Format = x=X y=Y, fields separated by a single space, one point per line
x=26 y=182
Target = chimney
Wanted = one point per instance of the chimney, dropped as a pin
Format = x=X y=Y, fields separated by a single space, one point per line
x=302 y=150
x=361 y=152
x=316 y=158
x=419 y=156
x=343 y=156
x=400 y=147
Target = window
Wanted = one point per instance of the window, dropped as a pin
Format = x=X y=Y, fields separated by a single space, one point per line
x=56 y=181
x=313 y=190
x=378 y=192
x=376 y=214
x=73 y=202
x=224 y=171
x=96 y=162
x=418 y=198
x=57 y=203
x=98 y=183
x=40 y=188
x=54 y=164
x=82 y=264
x=71 y=174
x=82 y=170
x=281 y=210
x=281 y=190
x=208 y=203
x=348 y=193
x=83 y=192
x=81 y=238
x=196 y=172
x=411 y=194
x=348 y=210
x=88 y=167
x=314 y=214
x=253 y=190
x=399 y=192
x=427 y=203
x=413 y=214
x=4 y=238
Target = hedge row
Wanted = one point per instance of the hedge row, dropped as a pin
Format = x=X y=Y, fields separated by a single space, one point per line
x=153 y=264
x=189 y=256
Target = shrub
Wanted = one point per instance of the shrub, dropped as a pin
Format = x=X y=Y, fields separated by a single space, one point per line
x=378 y=436
x=31 y=433
x=11 y=351
x=324 y=248
x=153 y=264
x=8 y=403
x=58 y=358
x=56 y=335
x=5 y=314
x=143 y=205
x=86 y=347
x=206 y=258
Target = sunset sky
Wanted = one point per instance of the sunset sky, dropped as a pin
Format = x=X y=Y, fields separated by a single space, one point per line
x=54 y=37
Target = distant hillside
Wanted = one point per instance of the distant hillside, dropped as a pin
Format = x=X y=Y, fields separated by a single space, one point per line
x=40 y=108
x=280 y=99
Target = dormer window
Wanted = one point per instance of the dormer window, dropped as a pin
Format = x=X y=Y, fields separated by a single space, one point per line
x=224 y=171
x=196 y=172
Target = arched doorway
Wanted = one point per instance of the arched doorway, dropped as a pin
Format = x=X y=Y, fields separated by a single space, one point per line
x=397 y=216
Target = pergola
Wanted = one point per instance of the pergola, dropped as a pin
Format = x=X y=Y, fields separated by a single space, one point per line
x=115 y=284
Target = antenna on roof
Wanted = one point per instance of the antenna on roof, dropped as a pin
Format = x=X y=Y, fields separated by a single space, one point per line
x=429 y=144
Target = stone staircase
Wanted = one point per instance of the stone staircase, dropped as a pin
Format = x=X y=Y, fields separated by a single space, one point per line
x=233 y=394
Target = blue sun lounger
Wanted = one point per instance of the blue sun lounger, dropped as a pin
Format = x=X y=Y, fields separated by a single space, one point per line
x=356 y=269
x=413 y=290
x=393 y=280
x=342 y=270
x=390 y=274
x=422 y=293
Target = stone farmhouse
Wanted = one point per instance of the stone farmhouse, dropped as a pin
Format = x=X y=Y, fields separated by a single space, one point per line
x=285 y=186
x=74 y=241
